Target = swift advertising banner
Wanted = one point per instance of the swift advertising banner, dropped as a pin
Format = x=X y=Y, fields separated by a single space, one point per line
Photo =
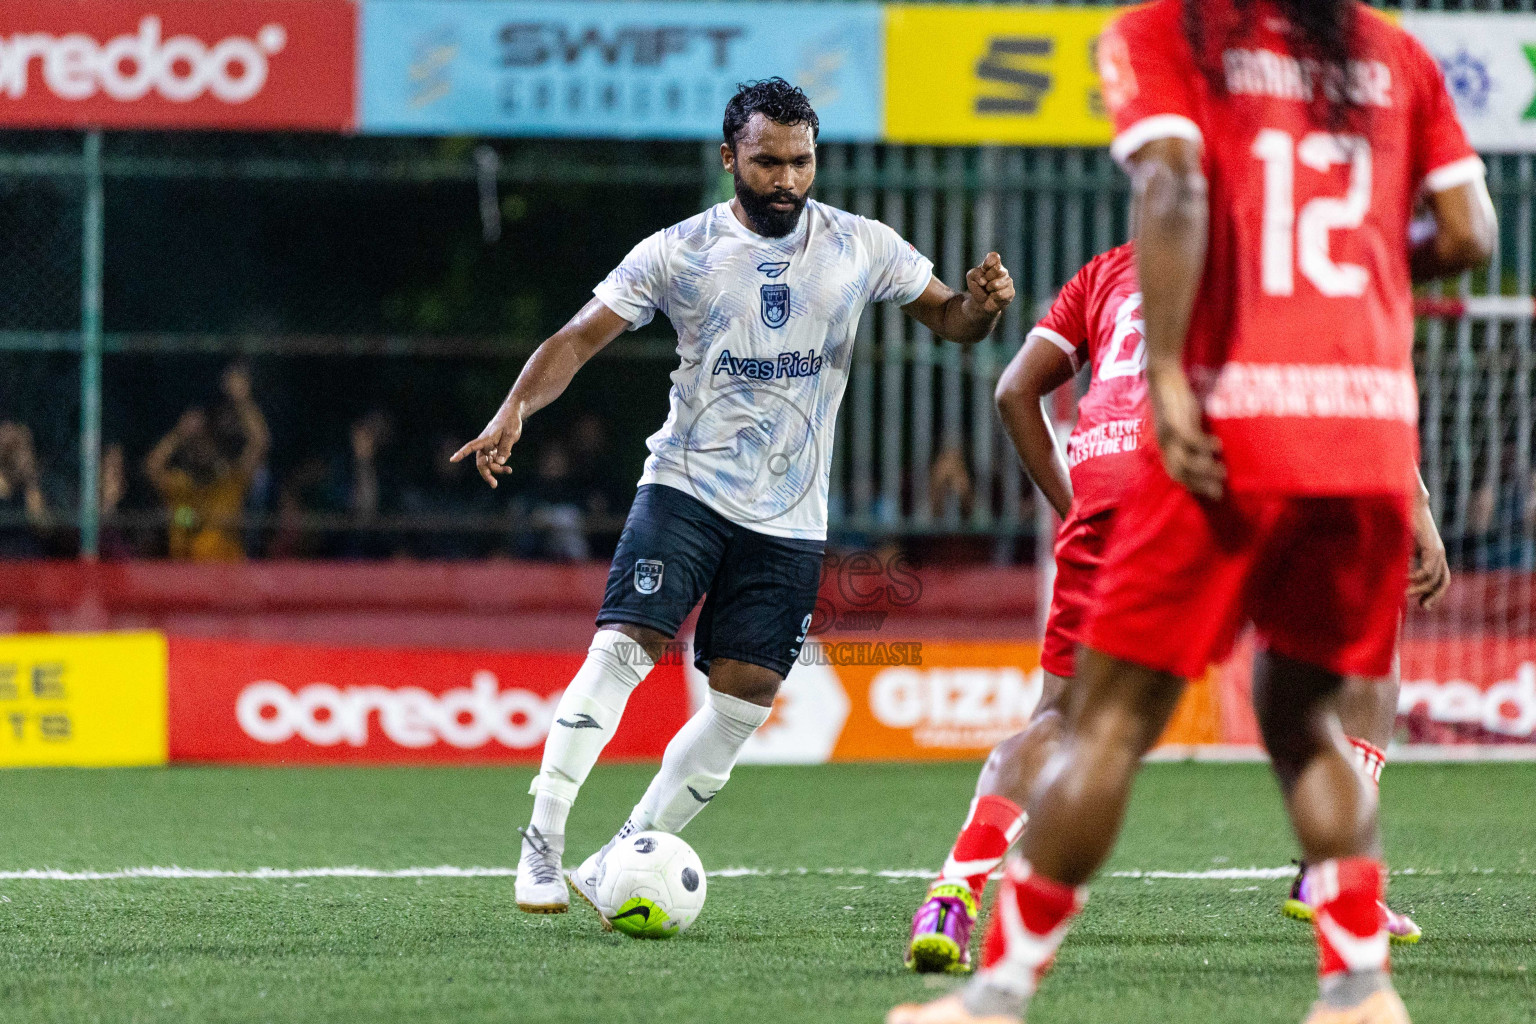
x=958 y=74
x=660 y=70
x=294 y=703
x=86 y=700
x=244 y=64
x=1490 y=67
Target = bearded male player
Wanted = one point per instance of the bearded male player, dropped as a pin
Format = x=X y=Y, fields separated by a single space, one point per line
x=765 y=293
x=1276 y=150
x=1096 y=321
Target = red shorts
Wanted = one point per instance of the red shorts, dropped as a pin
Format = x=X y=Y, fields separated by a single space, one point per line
x=1079 y=554
x=1323 y=579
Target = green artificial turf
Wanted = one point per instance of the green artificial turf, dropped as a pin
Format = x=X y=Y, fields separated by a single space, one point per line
x=782 y=948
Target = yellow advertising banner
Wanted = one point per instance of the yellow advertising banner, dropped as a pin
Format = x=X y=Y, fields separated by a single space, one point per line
x=86 y=700
x=1021 y=75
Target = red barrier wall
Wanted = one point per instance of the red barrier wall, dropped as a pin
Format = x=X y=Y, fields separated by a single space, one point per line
x=536 y=605
x=467 y=605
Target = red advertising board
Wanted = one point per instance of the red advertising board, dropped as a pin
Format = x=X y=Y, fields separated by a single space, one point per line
x=1477 y=689
x=252 y=702
x=243 y=64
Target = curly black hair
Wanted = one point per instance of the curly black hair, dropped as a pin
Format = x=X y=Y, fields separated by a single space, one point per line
x=1324 y=32
x=776 y=100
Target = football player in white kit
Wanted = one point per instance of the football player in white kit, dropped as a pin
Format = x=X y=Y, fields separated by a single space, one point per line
x=765 y=293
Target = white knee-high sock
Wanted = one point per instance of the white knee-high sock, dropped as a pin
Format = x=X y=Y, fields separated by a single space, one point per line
x=583 y=723
x=697 y=763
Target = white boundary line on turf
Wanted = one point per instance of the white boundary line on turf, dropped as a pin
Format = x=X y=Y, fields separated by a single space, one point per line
x=265 y=874
x=448 y=871
x=1216 y=874
x=1447 y=753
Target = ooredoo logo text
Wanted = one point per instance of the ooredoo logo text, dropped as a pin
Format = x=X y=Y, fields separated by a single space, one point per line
x=129 y=67
x=466 y=717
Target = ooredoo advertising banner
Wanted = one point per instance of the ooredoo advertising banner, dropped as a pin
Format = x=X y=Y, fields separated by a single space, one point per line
x=295 y=703
x=242 y=64
x=654 y=70
x=1469 y=691
x=84 y=700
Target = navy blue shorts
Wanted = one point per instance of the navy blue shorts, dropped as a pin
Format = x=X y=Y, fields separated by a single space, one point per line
x=675 y=549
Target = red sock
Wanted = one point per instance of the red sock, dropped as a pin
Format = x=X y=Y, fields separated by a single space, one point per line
x=992 y=826
x=1369 y=758
x=1027 y=926
x=1351 y=925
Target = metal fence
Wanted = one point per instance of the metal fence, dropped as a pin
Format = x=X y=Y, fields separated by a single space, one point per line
x=90 y=308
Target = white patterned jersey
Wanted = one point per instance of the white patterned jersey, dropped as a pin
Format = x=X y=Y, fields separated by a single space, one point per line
x=765 y=330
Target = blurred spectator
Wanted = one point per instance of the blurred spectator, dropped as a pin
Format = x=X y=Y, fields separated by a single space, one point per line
x=24 y=519
x=1502 y=525
x=555 y=514
x=451 y=495
x=344 y=486
x=368 y=434
x=115 y=541
x=592 y=466
x=204 y=482
x=949 y=484
x=359 y=482
x=302 y=495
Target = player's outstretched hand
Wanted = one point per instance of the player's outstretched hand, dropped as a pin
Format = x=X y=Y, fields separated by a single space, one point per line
x=990 y=285
x=494 y=444
x=1190 y=454
x=1429 y=574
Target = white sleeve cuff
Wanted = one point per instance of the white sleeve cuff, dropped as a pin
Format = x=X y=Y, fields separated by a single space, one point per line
x=1059 y=341
x=1150 y=129
x=1458 y=172
x=638 y=316
x=917 y=285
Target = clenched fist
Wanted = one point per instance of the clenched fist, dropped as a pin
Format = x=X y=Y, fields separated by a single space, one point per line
x=990 y=285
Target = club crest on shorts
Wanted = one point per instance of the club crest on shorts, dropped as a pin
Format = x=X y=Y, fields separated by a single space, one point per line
x=648 y=575
x=775 y=304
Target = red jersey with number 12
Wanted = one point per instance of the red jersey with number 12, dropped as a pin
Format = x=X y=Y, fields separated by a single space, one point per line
x=1096 y=321
x=1301 y=339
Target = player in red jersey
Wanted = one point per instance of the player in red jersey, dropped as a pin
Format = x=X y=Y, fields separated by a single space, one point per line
x=1096 y=317
x=1096 y=321
x=1276 y=150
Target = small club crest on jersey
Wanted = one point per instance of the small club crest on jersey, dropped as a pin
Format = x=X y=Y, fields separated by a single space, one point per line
x=775 y=304
x=648 y=573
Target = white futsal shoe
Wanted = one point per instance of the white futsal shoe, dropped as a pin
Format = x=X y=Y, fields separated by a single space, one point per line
x=586 y=879
x=540 y=889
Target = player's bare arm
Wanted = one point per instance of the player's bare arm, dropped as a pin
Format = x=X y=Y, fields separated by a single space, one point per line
x=1172 y=215
x=545 y=377
x=1038 y=369
x=1429 y=574
x=1465 y=232
x=966 y=317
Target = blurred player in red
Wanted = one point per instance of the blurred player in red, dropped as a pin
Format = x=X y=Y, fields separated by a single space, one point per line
x=1276 y=150
x=1096 y=322
x=1097 y=316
